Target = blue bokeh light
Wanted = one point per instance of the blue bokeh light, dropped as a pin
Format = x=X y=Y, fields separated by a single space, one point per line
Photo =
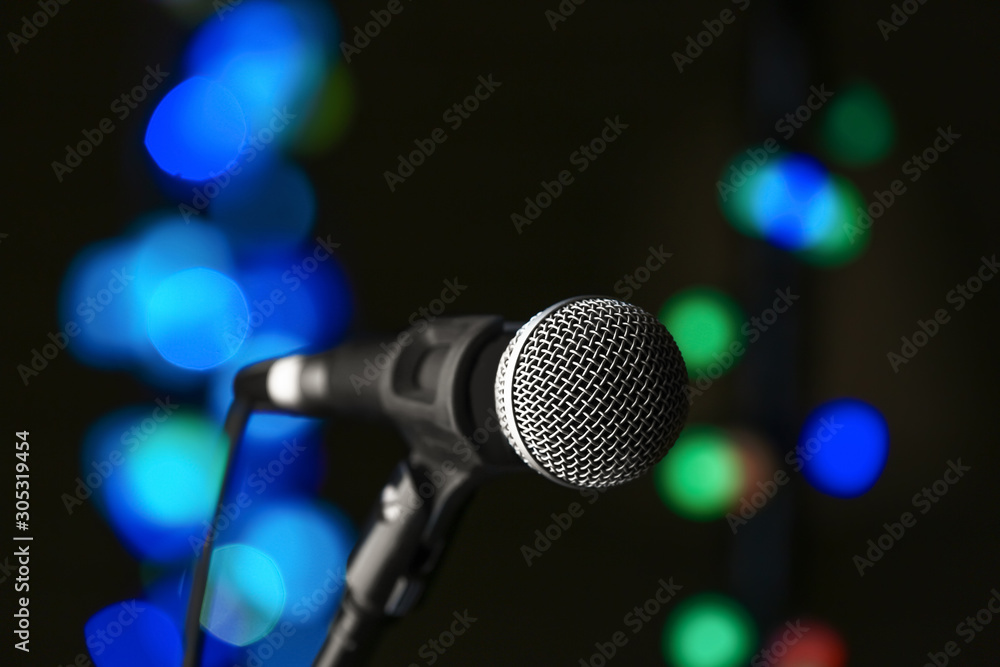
x=156 y=476
x=171 y=592
x=270 y=55
x=301 y=292
x=197 y=130
x=272 y=207
x=131 y=633
x=844 y=447
x=310 y=544
x=197 y=319
x=245 y=596
x=167 y=244
x=98 y=301
x=107 y=290
x=299 y=642
x=793 y=202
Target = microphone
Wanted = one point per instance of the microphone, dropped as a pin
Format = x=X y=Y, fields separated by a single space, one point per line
x=588 y=393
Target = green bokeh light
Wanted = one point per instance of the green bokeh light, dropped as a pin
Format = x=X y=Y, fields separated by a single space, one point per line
x=331 y=116
x=848 y=236
x=174 y=478
x=708 y=630
x=705 y=323
x=858 y=128
x=702 y=475
x=737 y=189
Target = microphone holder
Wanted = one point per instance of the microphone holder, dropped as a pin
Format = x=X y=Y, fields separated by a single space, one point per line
x=437 y=388
x=399 y=548
x=436 y=391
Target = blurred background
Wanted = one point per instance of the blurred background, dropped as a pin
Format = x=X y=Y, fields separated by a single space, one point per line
x=799 y=190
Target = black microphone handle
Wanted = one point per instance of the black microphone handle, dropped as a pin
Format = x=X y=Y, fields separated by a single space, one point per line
x=343 y=380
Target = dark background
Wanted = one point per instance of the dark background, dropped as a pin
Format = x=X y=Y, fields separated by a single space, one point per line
x=655 y=185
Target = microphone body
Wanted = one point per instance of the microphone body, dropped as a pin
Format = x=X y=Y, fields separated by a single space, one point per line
x=589 y=393
x=435 y=382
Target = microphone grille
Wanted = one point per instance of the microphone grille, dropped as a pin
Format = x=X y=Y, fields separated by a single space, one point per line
x=590 y=392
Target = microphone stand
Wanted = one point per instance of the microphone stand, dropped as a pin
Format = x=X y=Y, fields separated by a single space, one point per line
x=436 y=389
x=452 y=368
x=400 y=546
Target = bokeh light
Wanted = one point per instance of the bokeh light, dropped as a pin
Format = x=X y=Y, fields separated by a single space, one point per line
x=245 y=595
x=171 y=593
x=273 y=56
x=197 y=130
x=843 y=446
x=702 y=476
x=197 y=318
x=820 y=646
x=708 y=630
x=301 y=292
x=737 y=186
x=705 y=323
x=757 y=457
x=97 y=301
x=133 y=632
x=849 y=234
x=108 y=289
x=155 y=473
x=331 y=116
x=310 y=544
x=268 y=207
x=792 y=203
x=857 y=128
x=167 y=244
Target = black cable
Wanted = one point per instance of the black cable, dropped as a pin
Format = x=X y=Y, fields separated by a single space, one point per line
x=194 y=639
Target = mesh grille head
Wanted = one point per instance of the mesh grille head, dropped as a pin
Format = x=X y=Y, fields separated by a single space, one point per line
x=590 y=392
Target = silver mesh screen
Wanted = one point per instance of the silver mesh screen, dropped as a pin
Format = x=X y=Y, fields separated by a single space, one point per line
x=590 y=392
